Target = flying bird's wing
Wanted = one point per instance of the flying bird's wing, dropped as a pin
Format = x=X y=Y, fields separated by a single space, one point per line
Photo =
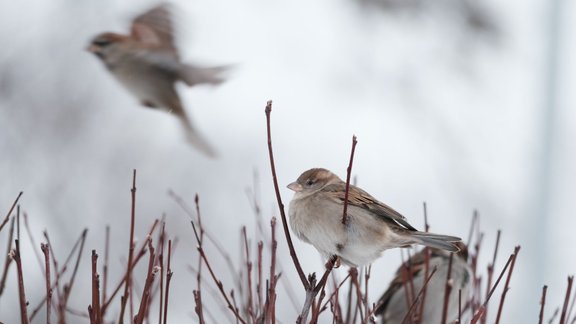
x=155 y=28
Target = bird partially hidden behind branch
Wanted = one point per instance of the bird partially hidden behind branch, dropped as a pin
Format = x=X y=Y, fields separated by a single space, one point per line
x=396 y=302
x=147 y=64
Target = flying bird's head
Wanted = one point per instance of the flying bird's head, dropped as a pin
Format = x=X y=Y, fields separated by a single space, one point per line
x=106 y=44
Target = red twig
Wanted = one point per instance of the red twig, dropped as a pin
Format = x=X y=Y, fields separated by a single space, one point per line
x=161 y=264
x=507 y=285
x=105 y=267
x=198 y=292
x=32 y=241
x=542 y=303
x=139 y=255
x=359 y=298
x=128 y=282
x=213 y=275
x=335 y=292
x=408 y=282
x=46 y=252
x=315 y=288
x=249 y=302
x=411 y=309
x=481 y=311
x=348 y=173
x=259 y=283
x=366 y=306
x=152 y=270
x=563 y=318
x=271 y=304
x=7 y=259
x=60 y=272
x=168 y=278
x=279 y=199
x=21 y=290
x=95 y=310
x=491 y=272
x=219 y=248
x=447 y=290
x=7 y=217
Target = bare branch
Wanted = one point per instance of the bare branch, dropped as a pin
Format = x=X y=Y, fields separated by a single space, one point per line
x=7 y=217
x=348 y=173
x=279 y=199
x=46 y=250
x=128 y=282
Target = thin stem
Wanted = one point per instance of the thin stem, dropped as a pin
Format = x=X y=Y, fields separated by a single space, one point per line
x=271 y=305
x=481 y=311
x=249 y=302
x=7 y=217
x=139 y=255
x=542 y=303
x=348 y=172
x=46 y=252
x=59 y=272
x=563 y=318
x=301 y=274
x=447 y=290
x=96 y=314
x=168 y=278
x=33 y=242
x=7 y=259
x=410 y=310
x=105 y=268
x=128 y=282
x=491 y=271
x=21 y=290
x=146 y=292
x=507 y=285
x=213 y=275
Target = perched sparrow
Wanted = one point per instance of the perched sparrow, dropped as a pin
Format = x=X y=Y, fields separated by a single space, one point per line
x=394 y=304
x=147 y=64
x=371 y=227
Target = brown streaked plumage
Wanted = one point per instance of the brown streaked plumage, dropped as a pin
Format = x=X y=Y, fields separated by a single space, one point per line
x=147 y=64
x=393 y=305
x=372 y=226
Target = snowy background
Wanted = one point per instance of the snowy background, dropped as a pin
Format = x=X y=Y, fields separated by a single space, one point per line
x=460 y=114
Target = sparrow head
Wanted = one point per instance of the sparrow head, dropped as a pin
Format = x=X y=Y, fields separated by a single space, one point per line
x=103 y=44
x=463 y=250
x=313 y=180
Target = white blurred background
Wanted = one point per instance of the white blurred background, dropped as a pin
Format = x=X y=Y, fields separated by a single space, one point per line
x=464 y=105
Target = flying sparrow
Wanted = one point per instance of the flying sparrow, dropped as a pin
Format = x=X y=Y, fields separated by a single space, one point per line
x=371 y=226
x=395 y=303
x=147 y=64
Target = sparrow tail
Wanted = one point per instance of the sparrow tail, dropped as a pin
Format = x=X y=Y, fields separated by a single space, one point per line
x=197 y=140
x=193 y=75
x=443 y=242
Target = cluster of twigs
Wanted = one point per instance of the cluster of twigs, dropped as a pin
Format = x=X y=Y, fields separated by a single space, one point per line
x=255 y=292
x=59 y=289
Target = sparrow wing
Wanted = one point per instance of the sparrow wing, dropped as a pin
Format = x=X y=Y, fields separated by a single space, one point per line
x=155 y=28
x=360 y=198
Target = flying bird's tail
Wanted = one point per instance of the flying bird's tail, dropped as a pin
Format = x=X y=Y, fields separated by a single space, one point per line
x=443 y=242
x=193 y=75
x=196 y=139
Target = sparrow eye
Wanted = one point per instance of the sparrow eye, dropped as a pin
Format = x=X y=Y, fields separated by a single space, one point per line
x=102 y=42
x=309 y=182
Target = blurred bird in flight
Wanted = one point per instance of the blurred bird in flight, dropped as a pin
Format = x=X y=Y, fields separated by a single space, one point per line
x=146 y=62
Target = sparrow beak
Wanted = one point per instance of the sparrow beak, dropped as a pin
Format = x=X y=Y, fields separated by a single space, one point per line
x=93 y=48
x=295 y=186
